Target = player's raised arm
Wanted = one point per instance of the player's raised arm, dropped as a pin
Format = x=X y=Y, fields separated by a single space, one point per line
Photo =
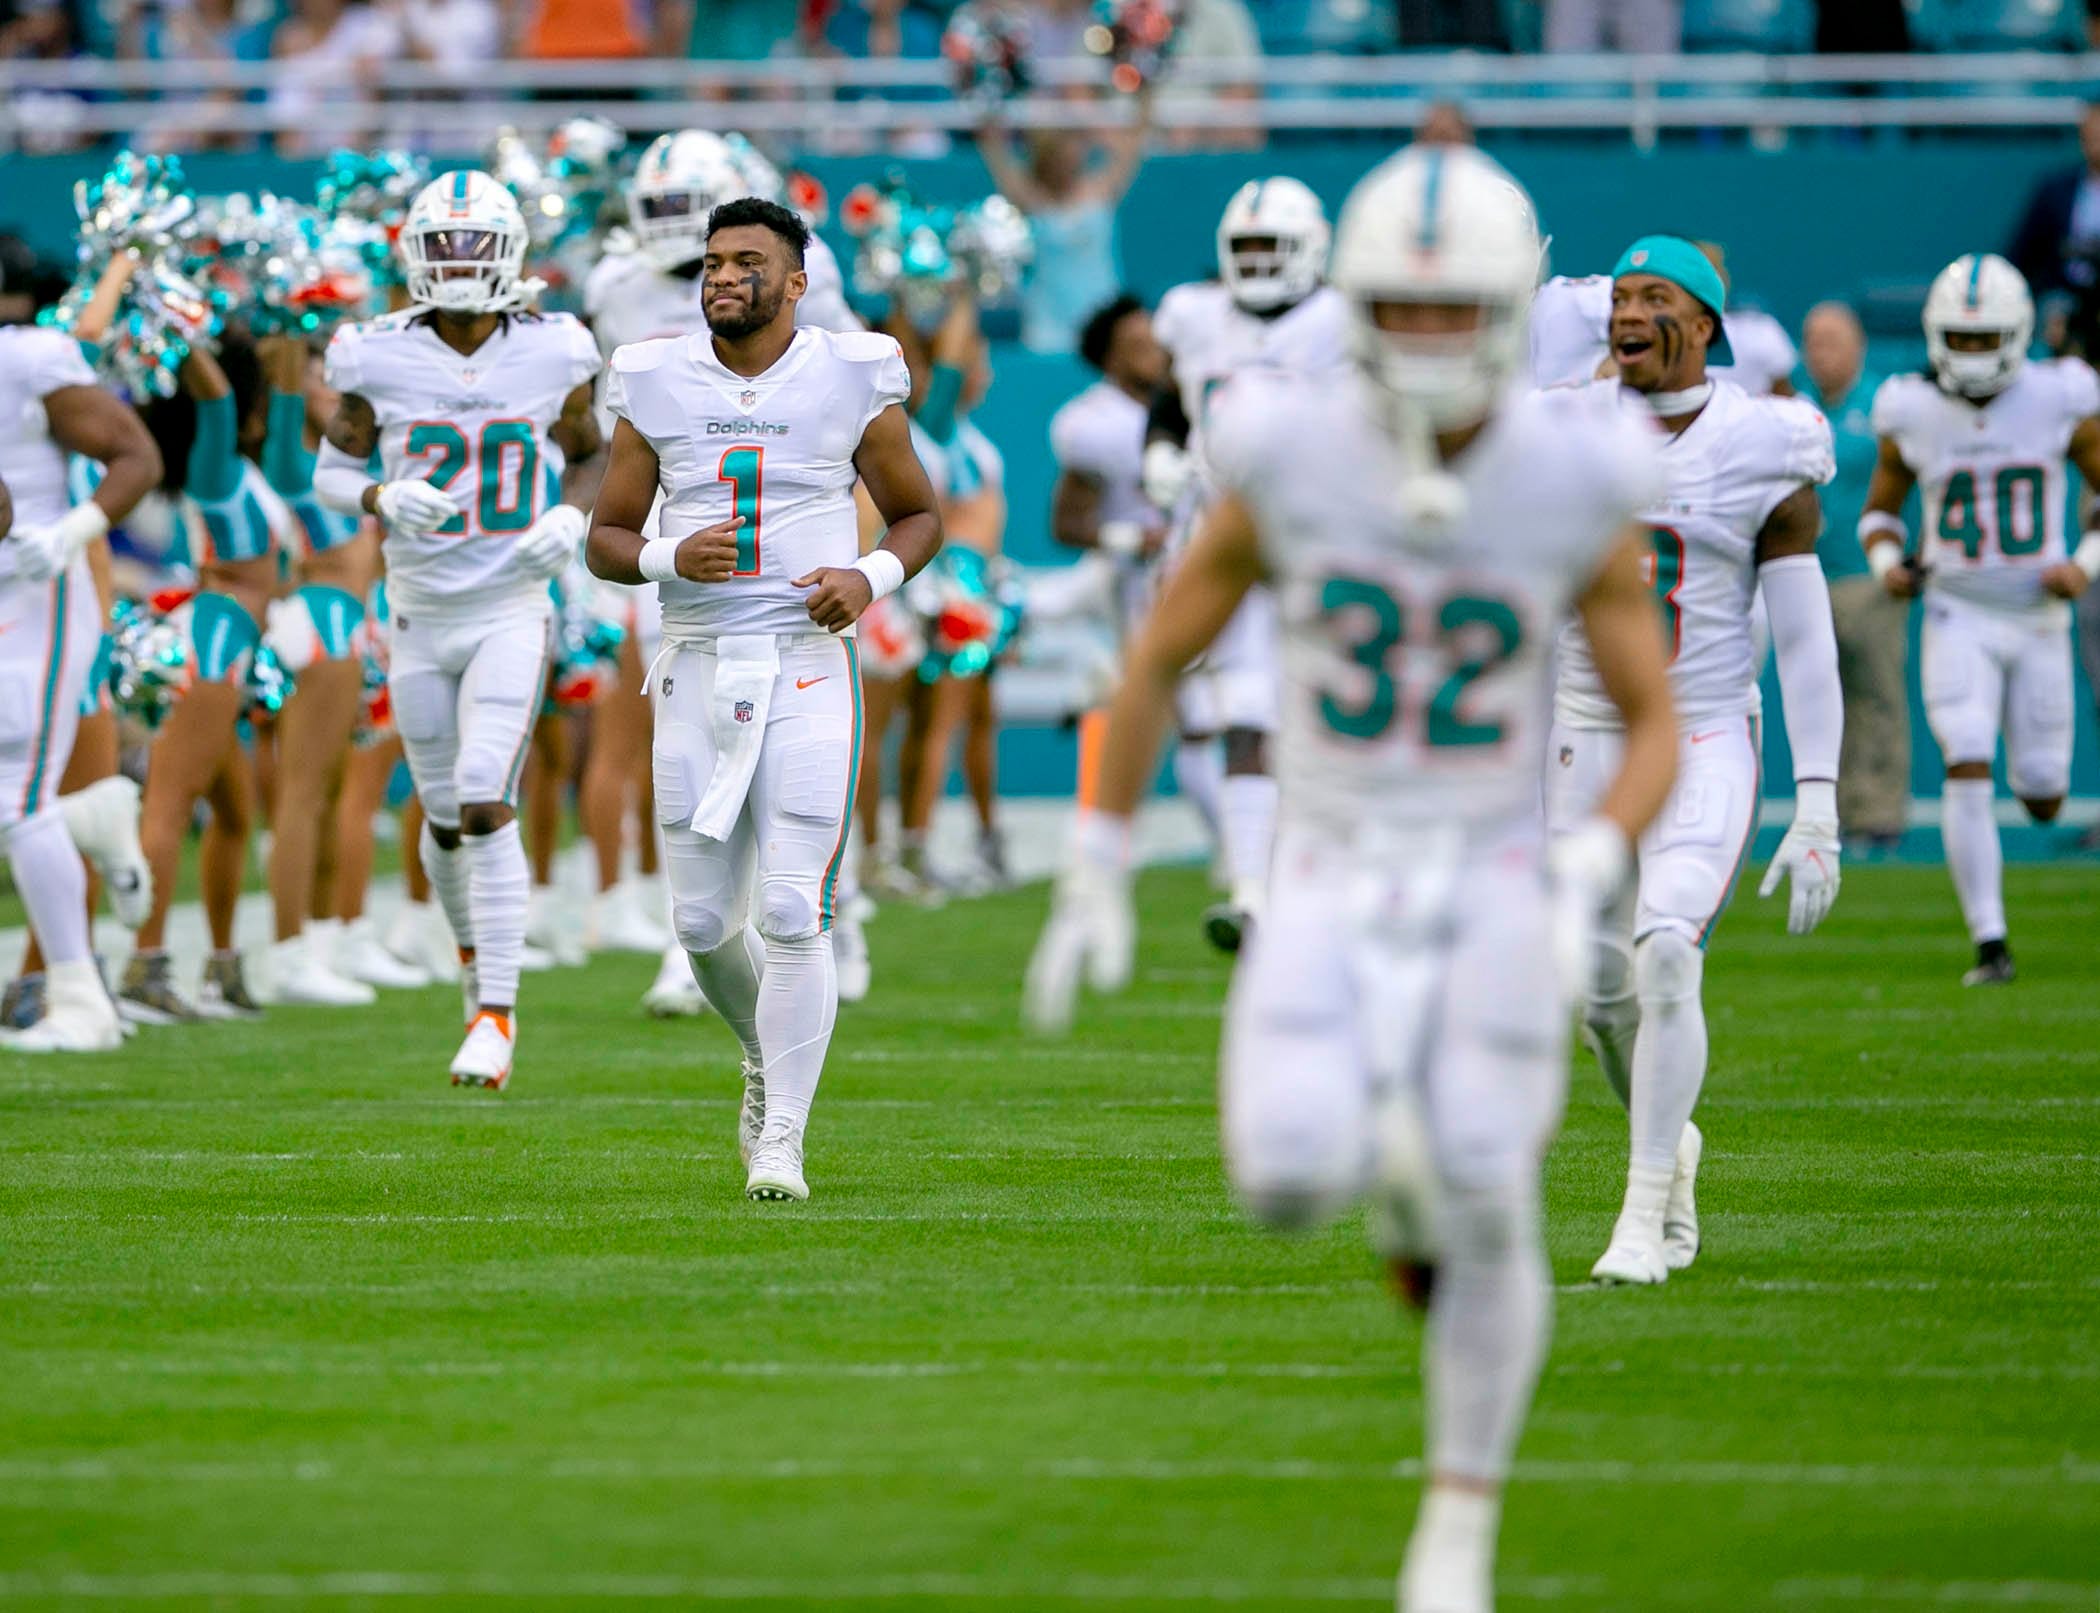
x=1804 y=643
x=903 y=496
x=616 y=549
x=1091 y=926
x=1882 y=533
x=2067 y=579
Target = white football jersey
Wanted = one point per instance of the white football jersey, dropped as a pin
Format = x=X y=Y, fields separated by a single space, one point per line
x=1726 y=472
x=1992 y=477
x=776 y=449
x=1571 y=337
x=475 y=425
x=1415 y=679
x=34 y=363
x=1101 y=435
x=1212 y=338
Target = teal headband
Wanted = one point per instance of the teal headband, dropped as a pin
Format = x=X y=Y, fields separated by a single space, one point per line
x=1673 y=258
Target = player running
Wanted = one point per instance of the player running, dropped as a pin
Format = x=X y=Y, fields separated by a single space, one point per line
x=474 y=408
x=1987 y=434
x=1270 y=310
x=1739 y=511
x=1397 y=1028
x=754 y=435
x=50 y=625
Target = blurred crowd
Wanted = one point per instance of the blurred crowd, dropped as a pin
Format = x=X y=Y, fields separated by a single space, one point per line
x=323 y=38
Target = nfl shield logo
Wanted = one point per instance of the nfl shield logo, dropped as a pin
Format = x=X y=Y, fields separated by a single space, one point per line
x=747 y=400
x=741 y=711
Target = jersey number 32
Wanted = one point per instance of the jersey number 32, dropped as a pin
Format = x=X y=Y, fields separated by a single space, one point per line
x=1466 y=638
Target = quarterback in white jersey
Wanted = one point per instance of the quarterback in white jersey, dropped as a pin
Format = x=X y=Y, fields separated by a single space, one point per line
x=474 y=409
x=753 y=434
x=1397 y=1026
x=50 y=624
x=1986 y=436
x=1269 y=311
x=1739 y=512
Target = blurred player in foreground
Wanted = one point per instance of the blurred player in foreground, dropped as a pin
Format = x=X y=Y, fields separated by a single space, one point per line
x=1987 y=435
x=1397 y=1028
x=1738 y=512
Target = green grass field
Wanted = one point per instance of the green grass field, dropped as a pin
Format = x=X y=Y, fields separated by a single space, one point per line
x=284 y=1319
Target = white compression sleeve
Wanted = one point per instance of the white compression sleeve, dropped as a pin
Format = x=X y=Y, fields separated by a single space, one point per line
x=1805 y=641
x=340 y=481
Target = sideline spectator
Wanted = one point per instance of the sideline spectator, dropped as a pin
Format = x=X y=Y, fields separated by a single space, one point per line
x=1070 y=187
x=584 y=30
x=1873 y=650
x=1632 y=27
x=2058 y=247
x=1445 y=124
x=328 y=51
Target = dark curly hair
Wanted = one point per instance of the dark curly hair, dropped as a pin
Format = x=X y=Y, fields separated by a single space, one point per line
x=782 y=221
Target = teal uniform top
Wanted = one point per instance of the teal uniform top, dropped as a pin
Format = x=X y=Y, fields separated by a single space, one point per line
x=288 y=466
x=1851 y=417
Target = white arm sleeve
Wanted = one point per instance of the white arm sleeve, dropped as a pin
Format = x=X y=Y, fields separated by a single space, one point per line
x=340 y=481
x=1805 y=641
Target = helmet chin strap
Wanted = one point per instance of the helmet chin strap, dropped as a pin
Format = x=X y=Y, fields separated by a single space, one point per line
x=1432 y=500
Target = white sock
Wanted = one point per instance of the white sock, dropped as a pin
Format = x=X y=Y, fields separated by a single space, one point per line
x=1611 y=1015
x=1669 y=1053
x=730 y=975
x=1247 y=822
x=448 y=882
x=1199 y=769
x=1489 y=1317
x=798 y=1001
x=1974 y=857
x=500 y=886
x=53 y=885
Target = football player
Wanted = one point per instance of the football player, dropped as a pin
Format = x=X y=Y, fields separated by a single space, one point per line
x=1397 y=1027
x=1986 y=435
x=474 y=407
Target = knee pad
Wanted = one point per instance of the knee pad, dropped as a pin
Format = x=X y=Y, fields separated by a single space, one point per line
x=700 y=926
x=1667 y=967
x=1611 y=974
x=1290 y=1167
x=787 y=910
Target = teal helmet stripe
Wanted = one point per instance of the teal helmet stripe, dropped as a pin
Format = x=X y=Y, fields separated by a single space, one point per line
x=459 y=186
x=1432 y=192
x=1975 y=280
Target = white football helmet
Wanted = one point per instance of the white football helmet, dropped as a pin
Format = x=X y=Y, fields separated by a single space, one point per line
x=1272 y=243
x=463 y=243
x=681 y=179
x=1984 y=295
x=1440 y=225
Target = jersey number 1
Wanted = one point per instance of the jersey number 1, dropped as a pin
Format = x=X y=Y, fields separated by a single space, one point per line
x=744 y=469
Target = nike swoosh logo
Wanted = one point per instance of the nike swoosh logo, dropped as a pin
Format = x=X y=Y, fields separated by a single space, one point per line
x=1701 y=739
x=810 y=683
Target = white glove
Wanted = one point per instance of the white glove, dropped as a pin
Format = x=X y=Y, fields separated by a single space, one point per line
x=42 y=552
x=291 y=634
x=1092 y=926
x=414 y=507
x=1810 y=854
x=1585 y=868
x=1164 y=474
x=552 y=542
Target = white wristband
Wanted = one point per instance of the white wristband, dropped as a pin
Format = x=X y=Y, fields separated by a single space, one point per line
x=1120 y=538
x=2086 y=557
x=1816 y=798
x=83 y=524
x=1883 y=558
x=658 y=560
x=884 y=571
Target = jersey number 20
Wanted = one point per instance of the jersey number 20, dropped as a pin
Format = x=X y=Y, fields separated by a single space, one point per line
x=1472 y=635
x=506 y=457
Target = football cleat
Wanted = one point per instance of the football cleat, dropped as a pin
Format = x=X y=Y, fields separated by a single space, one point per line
x=1681 y=1210
x=552 y=928
x=358 y=955
x=1994 y=966
x=674 y=994
x=1450 y=1565
x=1634 y=1258
x=22 y=1004
x=148 y=995
x=776 y=1170
x=849 y=951
x=534 y=960
x=78 y=1015
x=751 y=1113
x=484 y=1058
x=224 y=993
x=103 y=820
x=1226 y=926
x=296 y=974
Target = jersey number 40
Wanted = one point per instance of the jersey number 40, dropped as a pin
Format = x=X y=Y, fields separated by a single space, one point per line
x=2014 y=515
x=504 y=461
x=1467 y=636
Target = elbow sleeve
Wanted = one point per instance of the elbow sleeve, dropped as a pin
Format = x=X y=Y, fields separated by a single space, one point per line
x=1804 y=639
x=215 y=461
